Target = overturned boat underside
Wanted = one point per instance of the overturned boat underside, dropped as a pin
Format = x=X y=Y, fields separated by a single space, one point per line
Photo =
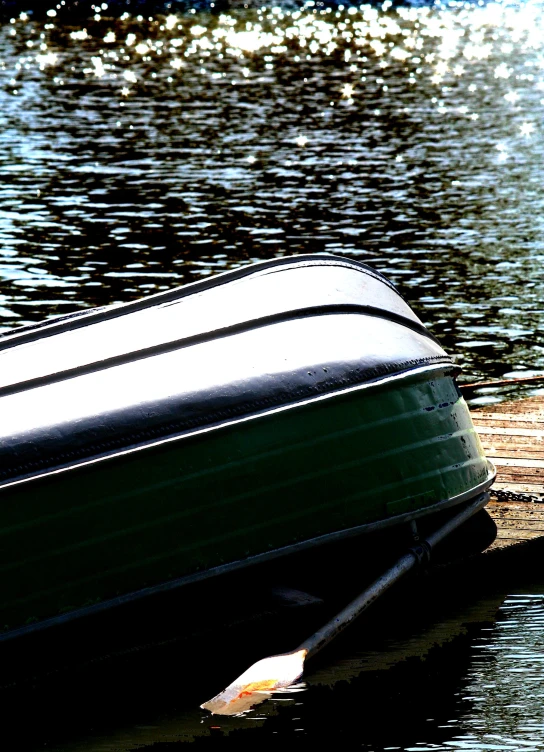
x=236 y=419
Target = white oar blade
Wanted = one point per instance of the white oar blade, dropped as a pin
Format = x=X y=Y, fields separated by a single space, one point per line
x=257 y=683
x=238 y=705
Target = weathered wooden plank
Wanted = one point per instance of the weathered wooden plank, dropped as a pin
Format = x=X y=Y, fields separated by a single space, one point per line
x=519 y=462
x=518 y=436
x=516 y=507
x=518 y=535
x=513 y=452
x=494 y=453
x=510 y=523
x=514 y=475
x=510 y=414
x=537 y=506
x=509 y=421
x=504 y=543
x=527 y=412
x=508 y=438
x=526 y=488
x=491 y=429
x=525 y=405
x=516 y=510
x=512 y=435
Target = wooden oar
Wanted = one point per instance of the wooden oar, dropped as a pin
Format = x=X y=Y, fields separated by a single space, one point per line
x=279 y=671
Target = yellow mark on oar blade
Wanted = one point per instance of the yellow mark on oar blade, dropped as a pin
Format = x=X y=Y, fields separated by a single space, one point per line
x=258 y=686
x=255 y=684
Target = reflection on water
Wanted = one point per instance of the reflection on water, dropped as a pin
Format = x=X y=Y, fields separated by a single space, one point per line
x=506 y=681
x=424 y=674
x=486 y=695
x=140 y=153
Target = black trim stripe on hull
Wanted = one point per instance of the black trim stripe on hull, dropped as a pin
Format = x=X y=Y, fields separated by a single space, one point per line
x=183 y=427
x=33 y=471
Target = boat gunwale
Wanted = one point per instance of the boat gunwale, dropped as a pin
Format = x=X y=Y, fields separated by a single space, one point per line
x=481 y=491
x=380 y=381
x=227 y=331
x=79 y=319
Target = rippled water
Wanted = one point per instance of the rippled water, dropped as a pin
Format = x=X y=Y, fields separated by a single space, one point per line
x=142 y=153
x=486 y=694
x=506 y=680
x=138 y=154
x=432 y=671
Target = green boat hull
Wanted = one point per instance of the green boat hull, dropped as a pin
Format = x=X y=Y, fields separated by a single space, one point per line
x=195 y=505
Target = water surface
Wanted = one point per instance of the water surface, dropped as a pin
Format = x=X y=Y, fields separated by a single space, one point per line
x=437 y=667
x=142 y=153
x=138 y=154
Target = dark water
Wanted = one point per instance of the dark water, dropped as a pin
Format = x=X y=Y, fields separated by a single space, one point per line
x=142 y=153
x=452 y=663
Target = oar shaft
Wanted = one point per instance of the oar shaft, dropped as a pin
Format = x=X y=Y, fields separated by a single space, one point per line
x=329 y=631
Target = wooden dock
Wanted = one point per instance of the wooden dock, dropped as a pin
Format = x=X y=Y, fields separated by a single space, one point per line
x=512 y=434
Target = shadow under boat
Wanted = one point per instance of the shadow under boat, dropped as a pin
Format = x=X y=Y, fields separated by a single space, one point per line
x=143 y=657
x=210 y=626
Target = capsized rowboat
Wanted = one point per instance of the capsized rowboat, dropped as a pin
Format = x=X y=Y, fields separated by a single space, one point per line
x=271 y=408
